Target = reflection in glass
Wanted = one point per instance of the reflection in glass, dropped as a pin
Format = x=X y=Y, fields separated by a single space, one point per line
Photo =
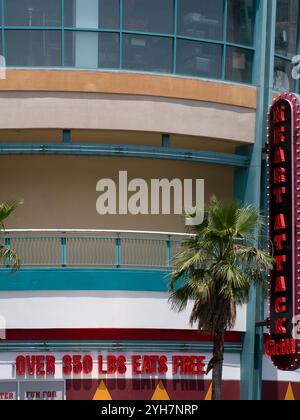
x=199 y=59
x=148 y=16
x=33 y=48
x=91 y=50
x=147 y=53
x=241 y=19
x=109 y=14
x=82 y=13
x=32 y=13
x=239 y=65
x=287 y=26
x=81 y=49
x=108 y=51
x=103 y=14
x=283 y=80
x=201 y=18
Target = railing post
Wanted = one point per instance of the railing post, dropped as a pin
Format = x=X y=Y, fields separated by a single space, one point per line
x=7 y=246
x=169 y=252
x=118 y=251
x=63 y=251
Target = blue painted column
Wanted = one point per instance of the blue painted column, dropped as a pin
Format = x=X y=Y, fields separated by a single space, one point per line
x=67 y=136
x=249 y=190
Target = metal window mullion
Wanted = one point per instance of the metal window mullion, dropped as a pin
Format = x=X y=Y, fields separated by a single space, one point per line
x=68 y=28
x=242 y=46
x=143 y=33
x=204 y=40
x=256 y=38
x=62 y=33
x=121 y=36
x=175 y=11
x=33 y=28
x=256 y=34
x=224 y=40
x=284 y=57
x=2 y=30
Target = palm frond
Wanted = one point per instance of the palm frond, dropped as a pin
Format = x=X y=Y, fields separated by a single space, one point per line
x=231 y=276
x=6 y=209
x=246 y=220
x=251 y=255
x=9 y=257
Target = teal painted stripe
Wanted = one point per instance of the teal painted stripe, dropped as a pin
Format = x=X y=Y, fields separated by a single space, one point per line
x=85 y=279
x=163 y=346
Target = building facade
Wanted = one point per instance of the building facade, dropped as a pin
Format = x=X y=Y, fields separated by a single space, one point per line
x=102 y=89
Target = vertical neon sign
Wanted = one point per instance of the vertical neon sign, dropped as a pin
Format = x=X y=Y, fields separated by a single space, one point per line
x=284 y=229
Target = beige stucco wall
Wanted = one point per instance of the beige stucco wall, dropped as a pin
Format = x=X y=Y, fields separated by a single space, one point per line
x=95 y=111
x=60 y=192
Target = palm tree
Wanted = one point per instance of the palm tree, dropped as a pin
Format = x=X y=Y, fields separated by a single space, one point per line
x=6 y=254
x=215 y=270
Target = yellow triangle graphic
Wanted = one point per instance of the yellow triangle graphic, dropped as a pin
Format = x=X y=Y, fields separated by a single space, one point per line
x=208 y=396
x=160 y=393
x=102 y=393
x=289 y=396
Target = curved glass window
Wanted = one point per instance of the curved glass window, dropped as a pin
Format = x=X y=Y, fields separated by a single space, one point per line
x=198 y=38
x=103 y=51
x=148 y=16
x=239 y=64
x=241 y=18
x=201 y=18
x=287 y=28
x=91 y=14
x=32 y=13
x=199 y=59
x=283 y=80
x=33 y=48
x=109 y=14
x=147 y=53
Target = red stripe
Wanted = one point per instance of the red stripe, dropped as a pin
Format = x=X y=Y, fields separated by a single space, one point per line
x=114 y=335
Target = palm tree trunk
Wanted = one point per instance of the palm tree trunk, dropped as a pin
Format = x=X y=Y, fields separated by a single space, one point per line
x=218 y=357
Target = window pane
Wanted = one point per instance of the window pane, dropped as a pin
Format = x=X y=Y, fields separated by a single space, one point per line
x=109 y=14
x=70 y=13
x=81 y=49
x=33 y=48
x=148 y=16
x=286 y=26
x=82 y=13
x=201 y=18
x=108 y=50
x=32 y=12
x=241 y=17
x=239 y=63
x=91 y=50
x=283 y=80
x=199 y=59
x=148 y=53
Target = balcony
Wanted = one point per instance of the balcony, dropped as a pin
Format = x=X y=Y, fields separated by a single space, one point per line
x=90 y=260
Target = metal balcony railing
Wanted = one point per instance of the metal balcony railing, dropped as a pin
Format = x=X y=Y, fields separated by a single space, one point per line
x=93 y=248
